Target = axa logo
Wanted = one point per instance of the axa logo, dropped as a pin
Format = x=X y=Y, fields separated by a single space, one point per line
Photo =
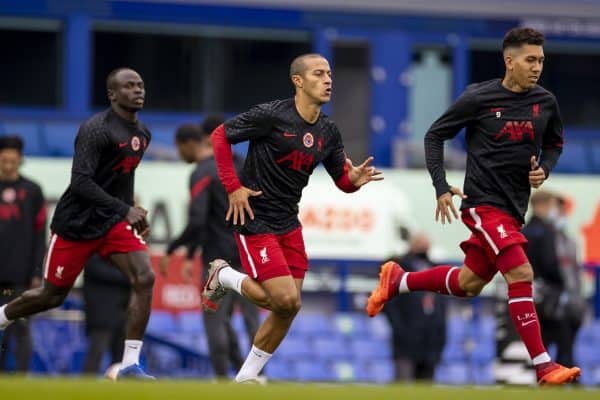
x=502 y=231
x=264 y=258
x=128 y=164
x=297 y=160
x=59 y=272
x=516 y=131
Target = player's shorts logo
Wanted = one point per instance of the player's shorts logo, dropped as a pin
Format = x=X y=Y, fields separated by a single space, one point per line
x=264 y=258
x=502 y=231
x=135 y=143
x=9 y=195
x=59 y=272
x=308 y=139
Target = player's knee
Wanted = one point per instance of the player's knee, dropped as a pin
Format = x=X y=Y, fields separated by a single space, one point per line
x=472 y=289
x=522 y=273
x=51 y=299
x=144 y=280
x=287 y=305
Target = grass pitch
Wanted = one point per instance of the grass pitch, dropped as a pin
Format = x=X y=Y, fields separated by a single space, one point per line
x=20 y=388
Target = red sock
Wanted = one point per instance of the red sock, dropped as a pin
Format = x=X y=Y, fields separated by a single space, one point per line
x=525 y=320
x=441 y=279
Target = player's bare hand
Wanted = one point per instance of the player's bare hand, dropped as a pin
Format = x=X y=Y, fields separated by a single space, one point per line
x=445 y=206
x=537 y=175
x=136 y=217
x=363 y=173
x=239 y=205
x=163 y=265
x=187 y=271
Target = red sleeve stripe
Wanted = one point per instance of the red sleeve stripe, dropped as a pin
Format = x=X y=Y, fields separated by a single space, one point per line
x=40 y=218
x=199 y=187
x=224 y=159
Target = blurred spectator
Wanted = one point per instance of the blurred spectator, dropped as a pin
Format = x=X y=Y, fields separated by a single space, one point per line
x=549 y=248
x=106 y=293
x=418 y=321
x=571 y=272
x=22 y=242
x=208 y=229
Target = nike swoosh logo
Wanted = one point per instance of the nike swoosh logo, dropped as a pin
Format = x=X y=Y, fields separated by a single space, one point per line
x=287 y=134
x=123 y=144
x=528 y=322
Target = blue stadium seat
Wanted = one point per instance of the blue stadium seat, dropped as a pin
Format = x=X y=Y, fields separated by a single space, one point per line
x=366 y=349
x=590 y=375
x=381 y=371
x=314 y=370
x=29 y=132
x=454 y=352
x=452 y=374
x=483 y=374
x=295 y=347
x=484 y=352
x=332 y=348
x=60 y=137
x=191 y=322
x=457 y=329
x=586 y=353
x=313 y=324
x=345 y=371
x=279 y=369
x=484 y=328
x=352 y=324
x=161 y=323
x=379 y=328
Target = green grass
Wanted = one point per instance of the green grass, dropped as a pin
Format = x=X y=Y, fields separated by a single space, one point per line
x=19 y=388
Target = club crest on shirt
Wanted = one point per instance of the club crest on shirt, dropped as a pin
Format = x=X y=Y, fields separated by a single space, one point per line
x=9 y=195
x=308 y=139
x=535 y=110
x=135 y=143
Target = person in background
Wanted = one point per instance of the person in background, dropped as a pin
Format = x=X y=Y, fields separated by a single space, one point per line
x=106 y=294
x=550 y=287
x=418 y=322
x=22 y=242
x=208 y=230
x=570 y=269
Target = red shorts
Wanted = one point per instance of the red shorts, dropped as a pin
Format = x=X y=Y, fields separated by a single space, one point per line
x=496 y=242
x=65 y=259
x=267 y=256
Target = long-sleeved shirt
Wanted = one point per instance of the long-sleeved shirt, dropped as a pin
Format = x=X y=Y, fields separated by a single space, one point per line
x=108 y=149
x=503 y=130
x=284 y=150
x=22 y=231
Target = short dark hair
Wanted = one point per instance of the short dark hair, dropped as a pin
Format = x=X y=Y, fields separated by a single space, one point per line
x=188 y=132
x=211 y=122
x=517 y=37
x=11 y=142
x=110 y=79
x=297 y=67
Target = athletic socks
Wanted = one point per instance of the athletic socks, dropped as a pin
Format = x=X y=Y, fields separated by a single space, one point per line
x=254 y=363
x=525 y=320
x=131 y=355
x=441 y=279
x=231 y=279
